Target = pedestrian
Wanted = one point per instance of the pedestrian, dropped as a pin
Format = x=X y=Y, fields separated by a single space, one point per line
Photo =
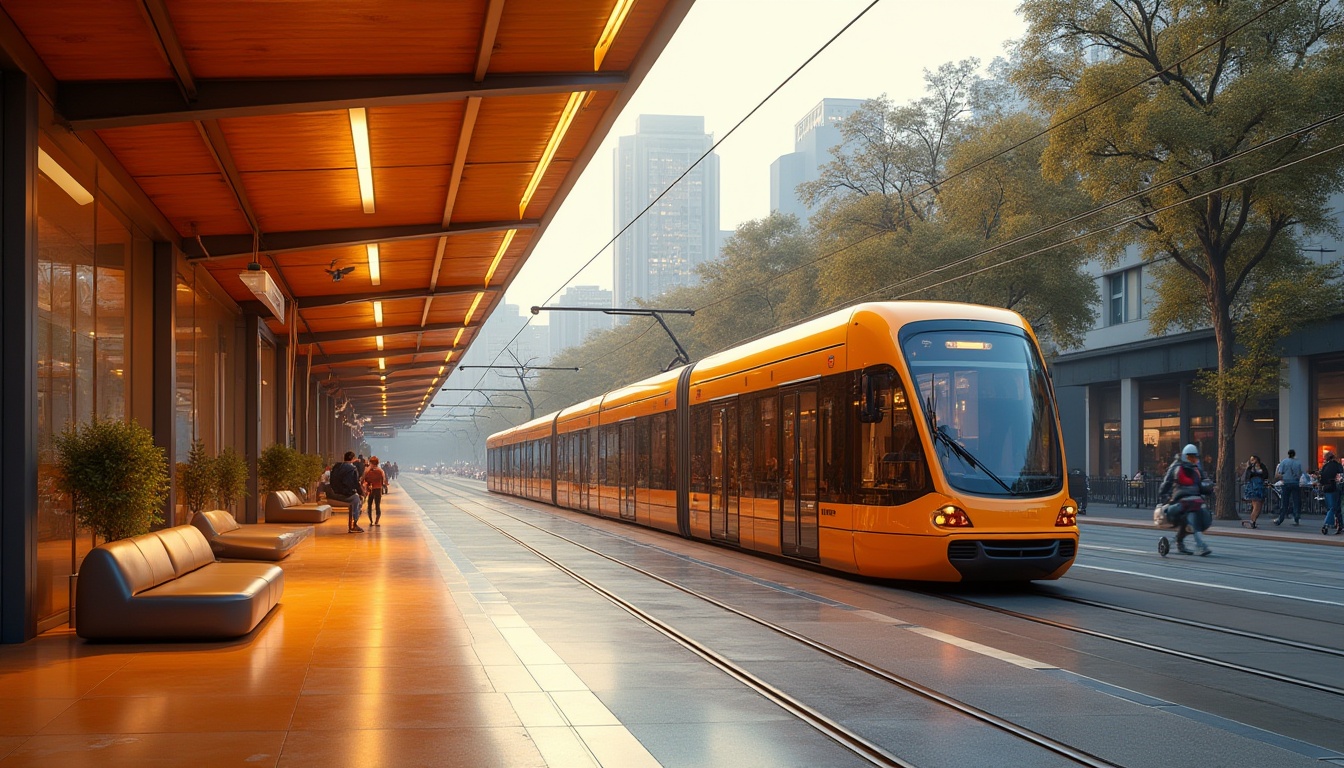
x=1253 y=481
x=375 y=485
x=1290 y=472
x=362 y=466
x=324 y=486
x=1184 y=480
x=345 y=488
x=1330 y=472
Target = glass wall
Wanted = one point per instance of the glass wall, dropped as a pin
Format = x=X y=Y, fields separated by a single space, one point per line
x=1328 y=413
x=83 y=373
x=1161 y=404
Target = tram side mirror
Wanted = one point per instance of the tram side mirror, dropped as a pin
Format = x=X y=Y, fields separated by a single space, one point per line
x=872 y=403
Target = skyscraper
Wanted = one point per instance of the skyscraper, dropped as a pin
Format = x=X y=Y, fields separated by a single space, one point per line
x=569 y=329
x=663 y=248
x=813 y=138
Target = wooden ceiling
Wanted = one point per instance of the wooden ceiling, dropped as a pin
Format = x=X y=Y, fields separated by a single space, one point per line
x=233 y=121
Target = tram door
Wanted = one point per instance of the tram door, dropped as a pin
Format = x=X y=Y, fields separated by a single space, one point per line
x=798 y=521
x=627 y=459
x=585 y=468
x=725 y=493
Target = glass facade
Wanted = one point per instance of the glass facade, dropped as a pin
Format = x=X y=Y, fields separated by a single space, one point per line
x=83 y=371
x=1328 y=413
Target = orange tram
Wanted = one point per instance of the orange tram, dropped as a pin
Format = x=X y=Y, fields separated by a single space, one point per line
x=900 y=440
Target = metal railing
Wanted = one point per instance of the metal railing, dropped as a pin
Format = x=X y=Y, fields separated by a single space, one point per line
x=1126 y=492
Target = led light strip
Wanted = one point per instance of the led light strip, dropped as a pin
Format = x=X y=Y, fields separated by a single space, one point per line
x=359 y=131
x=566 y=117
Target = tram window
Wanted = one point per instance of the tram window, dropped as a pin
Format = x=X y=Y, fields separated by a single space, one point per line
x=643 y=433
x=746 y=445
x=892 y=465
x=658 y=448
x=700 y=449
x=766 y=472
x=830 y=442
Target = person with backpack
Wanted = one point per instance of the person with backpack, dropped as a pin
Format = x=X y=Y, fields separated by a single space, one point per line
x=1330 y=479
x=345 y=487
x=1290 y=472
x=1183 y=481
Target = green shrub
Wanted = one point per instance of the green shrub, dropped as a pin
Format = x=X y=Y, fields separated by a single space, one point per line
x=116 y=477
x=196 y=478
x=230 y=478
x=310 y=466
x=276 y=468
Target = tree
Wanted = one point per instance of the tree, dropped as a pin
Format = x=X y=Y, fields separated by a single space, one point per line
x=230 y=478
x=116 y=476
x=1184 y=142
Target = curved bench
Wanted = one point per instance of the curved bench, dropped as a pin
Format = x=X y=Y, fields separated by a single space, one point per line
x=287 y=507
x=248 y=542
x=167 y=585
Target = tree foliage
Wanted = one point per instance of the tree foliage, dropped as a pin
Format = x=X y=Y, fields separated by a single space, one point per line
x=116 y=477
x=230 y=478
x=196 y=478
x=1220 y=195
x=277 y=468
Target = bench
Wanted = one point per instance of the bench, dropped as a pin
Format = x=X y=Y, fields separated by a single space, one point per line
x=248 y=542
x=287 y=507
x=167 y=585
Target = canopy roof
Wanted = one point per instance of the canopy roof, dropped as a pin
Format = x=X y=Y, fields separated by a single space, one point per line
x=240 y=125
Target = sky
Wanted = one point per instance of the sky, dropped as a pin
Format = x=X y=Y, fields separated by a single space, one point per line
x=723 y=59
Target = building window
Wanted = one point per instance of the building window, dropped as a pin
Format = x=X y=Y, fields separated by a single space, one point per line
x=1124 y=296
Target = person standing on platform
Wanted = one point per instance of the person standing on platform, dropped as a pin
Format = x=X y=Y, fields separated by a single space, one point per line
x=345 y=488
x=375 y=485
x=1290 y=472
x=362 y=466
x=1330 y=479
x=1253 y=482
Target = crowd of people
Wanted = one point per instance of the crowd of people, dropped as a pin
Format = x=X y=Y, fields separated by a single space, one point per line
x=356 y=482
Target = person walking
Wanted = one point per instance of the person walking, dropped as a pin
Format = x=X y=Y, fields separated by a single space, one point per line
x=375 y=485
x=1253 y=482
x=362 y=466
x=345 y=488
x=1185 y=480
x=1330 y=480
x=1290 y=472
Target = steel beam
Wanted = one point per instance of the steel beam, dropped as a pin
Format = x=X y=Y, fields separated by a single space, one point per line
x=364 y=332
x=238 y=246
x=375 y=354
x=98 y=105
x=336 y=300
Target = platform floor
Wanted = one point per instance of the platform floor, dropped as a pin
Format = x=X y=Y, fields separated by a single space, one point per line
x=380 y=654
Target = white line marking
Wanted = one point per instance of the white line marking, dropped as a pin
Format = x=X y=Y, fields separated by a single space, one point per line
x=983 y=650
x=1211 y=586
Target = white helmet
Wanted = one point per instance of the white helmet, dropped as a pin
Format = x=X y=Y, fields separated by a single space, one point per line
x=1190 y=450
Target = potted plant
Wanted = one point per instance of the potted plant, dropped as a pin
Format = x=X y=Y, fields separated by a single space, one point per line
x=117 y=479
x=308 y=471
x=276 y=469
x=196 y=478
x=230 y=478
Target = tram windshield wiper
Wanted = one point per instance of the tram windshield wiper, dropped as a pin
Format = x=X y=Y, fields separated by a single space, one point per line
x=940 y=434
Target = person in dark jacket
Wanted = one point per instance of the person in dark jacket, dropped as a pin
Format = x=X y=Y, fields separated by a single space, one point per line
x=1185 y=480
x=1330 y=479
x=345 y=488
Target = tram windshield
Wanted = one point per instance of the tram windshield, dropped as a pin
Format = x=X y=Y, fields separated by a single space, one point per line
x=987 y=402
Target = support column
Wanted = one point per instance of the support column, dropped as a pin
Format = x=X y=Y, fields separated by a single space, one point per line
x=1131 y=426
x=18 y=357
x=1294 y=410
x=165 y=365
x=251 y=410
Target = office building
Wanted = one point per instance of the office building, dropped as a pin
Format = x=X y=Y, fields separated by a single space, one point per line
x=814 y=137
x=570 y=329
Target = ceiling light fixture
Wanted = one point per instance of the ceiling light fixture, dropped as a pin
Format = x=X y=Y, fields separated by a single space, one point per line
x=608 y=37
x=378 y=313
x=375 y=268
x=260 y=283
x=458 y=340
x=382 y=364
x=379 y=339
x=476 y=302
x=566 y=117
x=441 y=369
x=504 y=246
x=62 y=178
x=359 y=131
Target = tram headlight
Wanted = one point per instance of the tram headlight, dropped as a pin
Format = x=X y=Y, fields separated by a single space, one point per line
x=951 y=517
x=1067 y=517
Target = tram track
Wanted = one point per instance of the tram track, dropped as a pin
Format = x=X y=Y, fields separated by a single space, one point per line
x=834 y=730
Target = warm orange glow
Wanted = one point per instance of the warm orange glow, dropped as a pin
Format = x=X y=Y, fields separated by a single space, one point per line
x=566 y=117
x=614 y=22
x=375 y=266
x=458 y=340
x=379 y=339
x=359 y=132
x=378 y=313
x=476 y=302
x=382 y=364
x=504 y=246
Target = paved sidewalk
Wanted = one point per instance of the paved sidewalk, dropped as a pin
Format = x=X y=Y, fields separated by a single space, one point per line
x=1309 y=531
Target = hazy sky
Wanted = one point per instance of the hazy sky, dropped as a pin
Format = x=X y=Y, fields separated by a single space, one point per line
x=724 y=58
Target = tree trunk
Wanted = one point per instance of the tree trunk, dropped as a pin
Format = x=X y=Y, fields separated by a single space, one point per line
x=1225 y=499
